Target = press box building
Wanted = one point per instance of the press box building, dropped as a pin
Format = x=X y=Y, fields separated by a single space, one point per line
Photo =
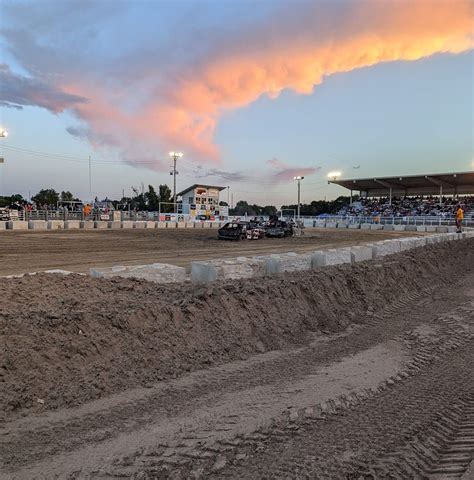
x=203 y=200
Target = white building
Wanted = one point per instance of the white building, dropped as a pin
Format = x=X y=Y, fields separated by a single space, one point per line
x=203 y=200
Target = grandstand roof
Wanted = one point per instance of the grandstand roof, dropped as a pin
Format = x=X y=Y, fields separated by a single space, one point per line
x=461 y=183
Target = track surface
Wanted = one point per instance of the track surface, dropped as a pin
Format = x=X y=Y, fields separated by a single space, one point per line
x=390 y=398
x=77 y=251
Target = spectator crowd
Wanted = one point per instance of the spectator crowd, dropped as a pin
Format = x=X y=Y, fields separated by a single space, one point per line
x=408 y=206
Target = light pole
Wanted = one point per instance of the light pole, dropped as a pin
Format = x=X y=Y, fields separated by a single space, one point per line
x=174 y=156
x=298 y=178
x=3 y=134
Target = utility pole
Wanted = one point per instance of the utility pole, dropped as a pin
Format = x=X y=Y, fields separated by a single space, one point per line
x=299 y=193
x=174 y=156
x=90 y=176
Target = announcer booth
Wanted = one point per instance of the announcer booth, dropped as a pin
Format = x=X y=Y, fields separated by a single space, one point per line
x=201 y=202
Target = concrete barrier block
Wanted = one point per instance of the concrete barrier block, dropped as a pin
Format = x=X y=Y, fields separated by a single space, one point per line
x=17 y=225
x=172 y=225
x=389 y=227
x=240 y=267
x=127 y=224
x=407 y=244
x=272 y=265
x=376 y=226
x=361 y=253
x=86 y=225
x=365 y=226
x=333 y=256
x=399 y=228
x=155 y=272
x=181 y=225
x=341 y=225
x=3 y=225
x=294 y=262
x=161 y=224
x=150 y=224
x=114 y=225
x=101 y=225
x=442 y=229
x=202 y=272
x=388 y=247
x=452 y=229
x=432 y=239
x=139 y=224
x=354 y=226
x=430 y=228
x=190 y=224
x=55 y=224
x=206 y=225
x=37 y=225
x=421 y=228
x=411 y=228
x=72 y=225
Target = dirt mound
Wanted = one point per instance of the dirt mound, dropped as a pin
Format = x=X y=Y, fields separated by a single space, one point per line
x=67 y=340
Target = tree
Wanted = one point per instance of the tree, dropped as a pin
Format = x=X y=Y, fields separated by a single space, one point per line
x=165 y=197
x=67 y=197
x=47 y=196
x=269 y=210
x=6 y=201
x=152 y=199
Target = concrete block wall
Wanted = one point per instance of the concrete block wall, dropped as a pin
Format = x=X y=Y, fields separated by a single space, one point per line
x=86 y=225
x=127 y=224
x=3 y=225
x=37 y=225
x=361 y=253
x=156 y=272
x=114 y=225
x=244 y=267
x=55 y=224
x=399 y=228
x=99 y=225
x=17 y=225
x=72 y=224
x=376 y=226
x=161 y=224
x=139 y=224
x=354 y=226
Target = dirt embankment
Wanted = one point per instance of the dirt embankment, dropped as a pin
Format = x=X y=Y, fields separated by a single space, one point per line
x=67 y=340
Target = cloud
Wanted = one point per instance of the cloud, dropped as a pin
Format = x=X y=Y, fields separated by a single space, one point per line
x=230 y=176
x=149 y=98
x=17 y=91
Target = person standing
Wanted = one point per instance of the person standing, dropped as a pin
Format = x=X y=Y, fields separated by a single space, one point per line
x=459 y=218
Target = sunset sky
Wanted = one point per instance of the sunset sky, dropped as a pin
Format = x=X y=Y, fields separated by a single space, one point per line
x=253 y=93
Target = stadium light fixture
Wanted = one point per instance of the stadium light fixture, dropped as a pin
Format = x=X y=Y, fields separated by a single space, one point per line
x=334 y=175
x=3 y=133
x=299 y=178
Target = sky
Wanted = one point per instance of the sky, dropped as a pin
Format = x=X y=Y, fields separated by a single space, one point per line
x=252 y=92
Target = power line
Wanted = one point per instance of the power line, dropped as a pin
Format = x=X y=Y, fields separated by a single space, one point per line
x=225 y=176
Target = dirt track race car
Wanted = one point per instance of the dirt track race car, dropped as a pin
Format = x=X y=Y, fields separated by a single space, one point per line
x=233 y=231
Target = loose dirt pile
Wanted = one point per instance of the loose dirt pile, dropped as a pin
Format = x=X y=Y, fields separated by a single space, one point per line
x=67 y=340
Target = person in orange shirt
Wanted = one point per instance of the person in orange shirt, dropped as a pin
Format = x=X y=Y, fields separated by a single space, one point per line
x=87 y=210
x=459 y=218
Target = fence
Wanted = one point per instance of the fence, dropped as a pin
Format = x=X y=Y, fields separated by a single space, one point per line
x=415 y=220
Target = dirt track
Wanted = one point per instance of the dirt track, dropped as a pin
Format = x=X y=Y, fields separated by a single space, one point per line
x=386 y=392
x=77 y=251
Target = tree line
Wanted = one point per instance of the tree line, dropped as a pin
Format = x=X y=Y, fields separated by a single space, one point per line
x=150 y=200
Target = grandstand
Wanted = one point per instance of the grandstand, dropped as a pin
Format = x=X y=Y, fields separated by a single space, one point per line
x=412 y=185
x=413 y=195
